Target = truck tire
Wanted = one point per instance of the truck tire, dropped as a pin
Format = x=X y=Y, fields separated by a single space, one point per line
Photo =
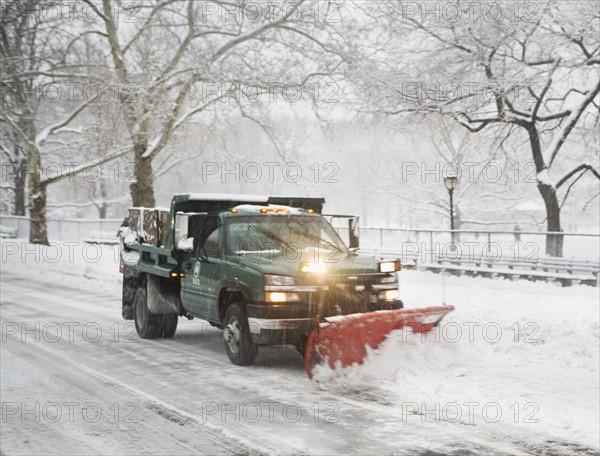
x=167 y=325
x=146 y=324
x=238 y=343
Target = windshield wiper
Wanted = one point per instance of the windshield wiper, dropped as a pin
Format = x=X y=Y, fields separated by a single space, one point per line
x=275 y=238
x=201 y=258
x=314 y=237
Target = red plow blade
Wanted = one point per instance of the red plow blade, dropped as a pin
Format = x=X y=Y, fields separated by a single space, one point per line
x=342 y=341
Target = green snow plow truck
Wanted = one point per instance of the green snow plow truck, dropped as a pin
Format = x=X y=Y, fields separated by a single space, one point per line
x=250 y=265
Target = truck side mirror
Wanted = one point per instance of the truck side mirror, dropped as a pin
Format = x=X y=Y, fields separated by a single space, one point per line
x=182 y=241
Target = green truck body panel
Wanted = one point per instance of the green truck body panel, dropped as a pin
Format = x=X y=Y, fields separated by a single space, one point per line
x=207 y=280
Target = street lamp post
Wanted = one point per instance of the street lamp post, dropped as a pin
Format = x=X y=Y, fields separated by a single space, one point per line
x=450 y=181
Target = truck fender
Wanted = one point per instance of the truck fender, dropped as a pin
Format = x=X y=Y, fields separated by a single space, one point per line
x=234 y=285
x=228 y=286
x=163 y=295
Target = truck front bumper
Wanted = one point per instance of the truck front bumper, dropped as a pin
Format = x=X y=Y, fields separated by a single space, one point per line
x=280 y=331
x=290 y=324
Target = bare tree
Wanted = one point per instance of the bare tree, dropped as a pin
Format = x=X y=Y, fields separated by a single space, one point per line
x=528 y=76
x=184 y=60
x=33 y=55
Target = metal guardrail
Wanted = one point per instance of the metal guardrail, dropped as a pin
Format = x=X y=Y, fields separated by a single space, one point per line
x=8 y=232
x=511 y=232
x=500 y=253
x=62 y=229
x=567 y=272
x=519 y=245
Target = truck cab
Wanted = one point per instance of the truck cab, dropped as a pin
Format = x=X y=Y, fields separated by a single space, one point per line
x=266 y=270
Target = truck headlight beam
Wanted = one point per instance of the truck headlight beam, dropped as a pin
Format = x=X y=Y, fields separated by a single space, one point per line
x=313 y=266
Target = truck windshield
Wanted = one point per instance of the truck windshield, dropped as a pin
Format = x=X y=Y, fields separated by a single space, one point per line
x=294 y=232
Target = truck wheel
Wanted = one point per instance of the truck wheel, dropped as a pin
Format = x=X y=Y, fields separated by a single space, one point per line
x=146 y=324
x=238 y=343
x=167 y=325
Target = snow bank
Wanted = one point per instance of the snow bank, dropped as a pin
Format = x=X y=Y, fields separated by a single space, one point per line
x=511 y=353
x=93 y=266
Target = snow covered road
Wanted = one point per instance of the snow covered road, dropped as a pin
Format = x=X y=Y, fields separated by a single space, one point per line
x=76 y=379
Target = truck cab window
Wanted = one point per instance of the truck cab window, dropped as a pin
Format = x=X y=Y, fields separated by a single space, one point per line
x=211 y=245
x=208 y=236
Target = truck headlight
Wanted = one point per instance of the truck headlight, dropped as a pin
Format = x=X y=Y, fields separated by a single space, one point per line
x=389 y=295
x=279 y=280
x=313 y=266
x=389 y=266
x=280 y=296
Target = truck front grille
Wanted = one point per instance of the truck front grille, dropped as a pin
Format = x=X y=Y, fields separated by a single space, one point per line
x=349 y=294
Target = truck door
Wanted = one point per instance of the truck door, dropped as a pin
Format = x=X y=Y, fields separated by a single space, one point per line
x=203 y=269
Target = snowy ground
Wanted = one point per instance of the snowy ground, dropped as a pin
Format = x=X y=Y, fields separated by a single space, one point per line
x=514 y=370
x=516 y=352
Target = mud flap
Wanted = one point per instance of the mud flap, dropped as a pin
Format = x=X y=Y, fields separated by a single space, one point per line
x=163 y=297
x=342 y=341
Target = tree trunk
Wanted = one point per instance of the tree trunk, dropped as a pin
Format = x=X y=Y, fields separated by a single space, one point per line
x=20 y=179
x=38 y=229
x=554 y=242
x=103 y=208
x=142 y=190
